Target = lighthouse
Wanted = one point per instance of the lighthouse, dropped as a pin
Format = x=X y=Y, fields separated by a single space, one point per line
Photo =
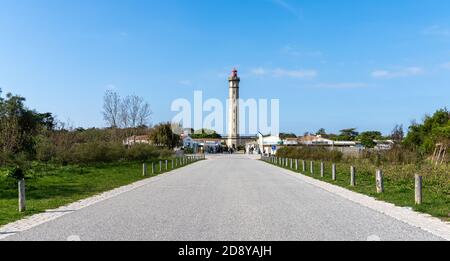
x=233 y=113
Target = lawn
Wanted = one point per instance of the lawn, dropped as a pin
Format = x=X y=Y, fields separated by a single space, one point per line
x=398 y=183
x=50 y=186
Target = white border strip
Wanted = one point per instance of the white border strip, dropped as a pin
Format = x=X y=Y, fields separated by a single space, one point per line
x=423 y=221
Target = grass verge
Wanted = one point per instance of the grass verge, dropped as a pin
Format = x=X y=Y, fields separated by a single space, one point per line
x=50 y=186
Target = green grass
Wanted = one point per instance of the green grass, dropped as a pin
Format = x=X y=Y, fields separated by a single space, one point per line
x=50 y=186
x=398 y=185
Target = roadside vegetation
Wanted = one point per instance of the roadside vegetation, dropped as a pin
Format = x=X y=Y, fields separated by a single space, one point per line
x=410 y=155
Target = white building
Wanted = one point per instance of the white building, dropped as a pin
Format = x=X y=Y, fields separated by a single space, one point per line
x=269 y=144
x=189 y=142
x=291 y=142
x=315 y=140
x=384 y=144
x=143 y=139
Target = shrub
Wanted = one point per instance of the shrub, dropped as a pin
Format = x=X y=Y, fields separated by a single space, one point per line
x=188 y=151
x=92 y=152
x=396 y=155
x=107 y=152
x=45 y=150
x=142 y=152
x=16 y=173
x=308 y=153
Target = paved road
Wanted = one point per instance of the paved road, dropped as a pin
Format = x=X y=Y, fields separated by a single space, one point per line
x=226 y=198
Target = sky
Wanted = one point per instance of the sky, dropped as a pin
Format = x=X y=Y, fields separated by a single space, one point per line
x=333 y=64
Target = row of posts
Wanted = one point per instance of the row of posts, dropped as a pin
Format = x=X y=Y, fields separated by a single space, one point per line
x=295 y=165
x=164 y=165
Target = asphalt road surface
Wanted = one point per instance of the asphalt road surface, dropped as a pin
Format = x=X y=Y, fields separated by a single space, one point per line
x=226 y=198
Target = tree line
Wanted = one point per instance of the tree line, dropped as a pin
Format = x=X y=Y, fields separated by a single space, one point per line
x=426 y=135
x=27 y=135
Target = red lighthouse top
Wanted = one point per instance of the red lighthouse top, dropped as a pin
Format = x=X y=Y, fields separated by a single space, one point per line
x=234 y=73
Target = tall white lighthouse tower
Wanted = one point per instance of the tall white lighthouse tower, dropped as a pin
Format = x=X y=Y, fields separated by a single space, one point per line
x=233 y=114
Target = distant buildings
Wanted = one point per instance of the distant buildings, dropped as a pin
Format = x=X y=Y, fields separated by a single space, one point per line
x=384 y=144
x=142 y=139
x=265 y=144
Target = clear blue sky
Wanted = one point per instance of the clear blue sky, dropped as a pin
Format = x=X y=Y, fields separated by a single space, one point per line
x=333 y=64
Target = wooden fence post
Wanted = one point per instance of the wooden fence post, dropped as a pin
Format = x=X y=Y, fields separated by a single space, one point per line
x=144 y=169
x=167 y=166
x=352 y=176
x=379 y=181
x=418 y=189
x=22 y=206
x=333 y=172
x=312 y=167
x=291 y=164
x=322 y=169
x=304 y=166
x=160 y=166
x=296 y=164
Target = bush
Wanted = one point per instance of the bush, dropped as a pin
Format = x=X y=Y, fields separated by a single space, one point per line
x=396 y=155
x=94 y=152
x=45 y=150
x=16 y=173
x=142 y=152
x=188 y=151
x=307 y=153
x=107 y=152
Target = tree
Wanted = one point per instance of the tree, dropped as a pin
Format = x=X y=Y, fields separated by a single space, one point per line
x=123 y=114
x=20 y=125
x=112 y=108
x=368 y=138
x=144 y=115
x=348 y=134
x=321 y=132
x=129 y=112
x=134 y=112
x=163 y=135
x=205 y=134
x=397 y=134
x=434 y=129
x=287 y=135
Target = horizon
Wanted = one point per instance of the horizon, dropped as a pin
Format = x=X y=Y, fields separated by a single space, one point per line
x=393 y=70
